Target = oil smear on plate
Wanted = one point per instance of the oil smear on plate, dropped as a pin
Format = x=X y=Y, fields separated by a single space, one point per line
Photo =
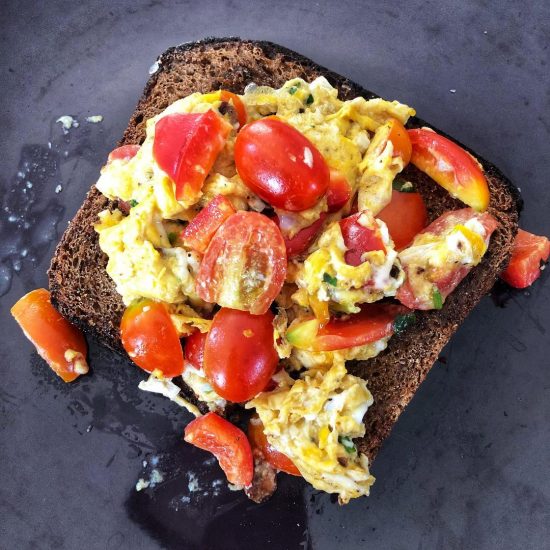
x=31 y=206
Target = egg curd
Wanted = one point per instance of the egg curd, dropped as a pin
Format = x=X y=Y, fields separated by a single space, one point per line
x=313 y=418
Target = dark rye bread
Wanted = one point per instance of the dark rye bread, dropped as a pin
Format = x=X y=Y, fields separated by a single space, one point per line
x=83 y=292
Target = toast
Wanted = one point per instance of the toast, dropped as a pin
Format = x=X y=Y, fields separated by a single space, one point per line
x=83 y=292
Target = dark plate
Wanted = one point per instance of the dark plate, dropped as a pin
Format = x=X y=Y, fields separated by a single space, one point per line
x=467 y=464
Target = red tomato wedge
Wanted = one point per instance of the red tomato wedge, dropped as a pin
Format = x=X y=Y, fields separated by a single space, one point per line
x=194 y=349
x=239 y=355
x=259 y=441
x=126 y=152
x=186 y=146
x=304 y=238
x=443 y=283
x=281 y=165
x=238 y=105
x=374 y=322
x=244 y=266
x=58 y=342
x=529 y=252
x=405 y=217
x=339 y=191
x=361 y=234
x=227 y=443
x=150 y=338
x=400 y=140
x=451 y=167
x=198 y=234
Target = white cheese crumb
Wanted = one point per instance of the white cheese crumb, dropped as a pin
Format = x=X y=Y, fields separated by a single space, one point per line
x=94 y=119
x=452 y=90
x=193 y=484
x=67 y=122
x=141 y=484
x=58 y=189
x=154 y=67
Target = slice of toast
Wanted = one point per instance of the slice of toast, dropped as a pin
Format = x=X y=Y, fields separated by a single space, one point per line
x=84 y=293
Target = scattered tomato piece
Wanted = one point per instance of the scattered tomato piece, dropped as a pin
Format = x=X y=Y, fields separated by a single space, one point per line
x=198 y=234
x=239 y=354
x=150 y=338
x=125 y=152
x=281 y=165
x=400 y=140
x=238 y=105
x=361 y=234
x=186 y=146
x=194 y=349
x=244 y=266
x=58 y=342
x=339 y=191
x=451 y=167
x=259 y=441
x=374 y=322
x=405 y=217
x=227 y=443
x=529 y=252
x=304 y=238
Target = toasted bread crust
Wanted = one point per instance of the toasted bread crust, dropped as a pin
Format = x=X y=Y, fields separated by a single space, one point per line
x=84 y=293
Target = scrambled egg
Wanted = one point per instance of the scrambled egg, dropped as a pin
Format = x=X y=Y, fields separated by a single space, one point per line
x=326 y=277
x=313 y=421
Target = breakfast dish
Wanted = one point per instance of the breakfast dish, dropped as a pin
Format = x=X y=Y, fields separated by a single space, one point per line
x=278 y=241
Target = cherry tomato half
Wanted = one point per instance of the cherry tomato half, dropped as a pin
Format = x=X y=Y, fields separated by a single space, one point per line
x=239 y=355
x=244 y=266
x=58 y=342
x=186 y=146
x=194 y=349
x=258 y=440
x=528 y=253
x=150 y=338
x=227 y=443
x=405 y=217
x=198 y=234
x=281 y=165
x=361 y=234
x=450 y=166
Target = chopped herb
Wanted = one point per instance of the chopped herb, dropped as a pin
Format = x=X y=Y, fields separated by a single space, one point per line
x=347 y=443
x=133 y=202
x=402 y=185
x=437 y=299
x=309 y=99
x=327 y=278
x=292 y=90
x=403 y=322
x=172 y=237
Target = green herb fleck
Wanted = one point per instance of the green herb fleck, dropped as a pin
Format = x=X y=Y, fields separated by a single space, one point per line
x=402 y=185
x=133 y=202
x=403 y=322
x=292 y=90
x=347 y=443
x=327 y=278
x=437 y=299
x=309 y=99
x=172 y=237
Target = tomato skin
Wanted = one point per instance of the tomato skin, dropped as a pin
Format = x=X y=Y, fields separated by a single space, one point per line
x=244 y=266
x=372 y=323
x=198 y=234
x=238 y=105
x=258 y=440
x=405 y=217
x=194 y=349
x=450 y=166
x=400 y=140
x=226 y=442
x=125 y=153
x=304 y=238
x=527 y=254
x=186 y=146
x=150 y=338
x=281 y=165
x=339 y=191
x=406 y=294
x=359 y=239
x=51 y=334
x=239 y=355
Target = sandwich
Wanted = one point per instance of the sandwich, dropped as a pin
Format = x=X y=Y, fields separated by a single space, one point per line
x=272 y=242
